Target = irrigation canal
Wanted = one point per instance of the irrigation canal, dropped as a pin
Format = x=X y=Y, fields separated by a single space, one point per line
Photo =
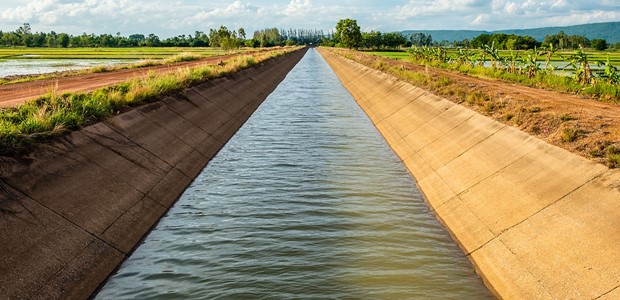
x=306 y=201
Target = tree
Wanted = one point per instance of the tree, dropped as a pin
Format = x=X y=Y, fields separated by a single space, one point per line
x=24 y=29
x=371 y=40
x=599 y=44
x=63 y=40
x=348 y=33
x=214 y=38
x=393 y=40
x=241 y=32
x=420 y=39
x=152 y=40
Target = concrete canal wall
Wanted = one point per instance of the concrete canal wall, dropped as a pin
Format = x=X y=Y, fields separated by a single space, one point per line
x=73 y=210
x=537 y=222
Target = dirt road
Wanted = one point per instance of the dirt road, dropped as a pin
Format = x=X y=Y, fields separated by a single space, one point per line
x=14 y=94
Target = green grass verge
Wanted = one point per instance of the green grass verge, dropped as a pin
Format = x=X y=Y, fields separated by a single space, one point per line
x=55 y=114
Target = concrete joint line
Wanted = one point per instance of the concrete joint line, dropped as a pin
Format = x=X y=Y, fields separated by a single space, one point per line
x=234 y=96
x=426 y=93
x=186 y=99
x=552 y=203
x=103 y=170
x=137 y=144
x=457 y=125
x=11 y=196
x=543 y=287
x=392 y=91
x=466 y=150
x=608 y=292
x=483 y=179
x=64 y=218
x=162 y=126
x=49 y=279
x=144 y=197
x=527 y=218
x=207 y=99
x=119 y=153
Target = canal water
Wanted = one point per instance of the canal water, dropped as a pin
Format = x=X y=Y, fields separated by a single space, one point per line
x=306 y=201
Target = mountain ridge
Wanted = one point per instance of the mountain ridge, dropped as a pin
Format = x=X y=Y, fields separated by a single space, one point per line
x=609 y=31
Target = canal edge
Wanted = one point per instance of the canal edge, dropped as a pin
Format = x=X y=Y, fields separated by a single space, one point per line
x=535 y=220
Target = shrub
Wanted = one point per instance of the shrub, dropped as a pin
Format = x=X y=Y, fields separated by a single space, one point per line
x=476 y=97
x=613 y=156
x=567 y=117
x=570 y=134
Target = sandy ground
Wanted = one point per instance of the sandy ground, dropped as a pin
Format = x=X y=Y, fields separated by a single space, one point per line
x=548 y=115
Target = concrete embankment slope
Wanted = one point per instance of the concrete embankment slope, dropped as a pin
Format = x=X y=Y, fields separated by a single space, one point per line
x=537 y=222
x=72 y=210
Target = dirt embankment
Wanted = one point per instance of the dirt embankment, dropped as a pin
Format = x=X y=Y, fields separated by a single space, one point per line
x=17 y=93
x=581 y=125
x=74 y=208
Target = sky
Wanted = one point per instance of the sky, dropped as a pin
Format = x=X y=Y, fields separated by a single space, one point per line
x=167 y=18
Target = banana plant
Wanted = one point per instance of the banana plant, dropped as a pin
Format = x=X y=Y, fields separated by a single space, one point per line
x=548 y=54
x=512 y=62
x=531 y=63
x=482 y=58
x=466 y=57
x=494 y=53
x=611 y=72
x=579 y=62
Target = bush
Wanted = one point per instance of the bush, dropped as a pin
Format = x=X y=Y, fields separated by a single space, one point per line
x=613 y=156
x=570 y=134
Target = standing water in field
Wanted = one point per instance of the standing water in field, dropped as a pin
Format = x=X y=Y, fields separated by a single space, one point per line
x=306 y=201
x=16 y=67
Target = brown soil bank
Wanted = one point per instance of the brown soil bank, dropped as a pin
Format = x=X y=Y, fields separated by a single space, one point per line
x=537 y=221
x=73 y=210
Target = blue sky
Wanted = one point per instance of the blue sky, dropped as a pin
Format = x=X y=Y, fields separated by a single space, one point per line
x=172 y=17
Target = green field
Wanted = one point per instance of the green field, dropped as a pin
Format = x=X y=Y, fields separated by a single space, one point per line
x=104 y=53
x=595 y=73
x=559 y=56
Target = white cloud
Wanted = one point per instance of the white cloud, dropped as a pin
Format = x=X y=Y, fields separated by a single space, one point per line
x=559 y=3
x=479 y=19
x=168 y=18
x=298 y=7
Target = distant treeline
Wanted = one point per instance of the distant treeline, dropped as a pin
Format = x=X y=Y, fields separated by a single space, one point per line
x=349 y=35
x=559 y=41
x=230 y=39
x=385 y=41
x=221 y=37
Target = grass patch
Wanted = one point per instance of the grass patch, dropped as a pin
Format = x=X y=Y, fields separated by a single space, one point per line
x=613 y=156
x=55 y=114
x=570 y=134
x=567 y=117
x=477 y=97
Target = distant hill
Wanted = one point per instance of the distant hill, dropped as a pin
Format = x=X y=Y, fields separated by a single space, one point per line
x=609 y=31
